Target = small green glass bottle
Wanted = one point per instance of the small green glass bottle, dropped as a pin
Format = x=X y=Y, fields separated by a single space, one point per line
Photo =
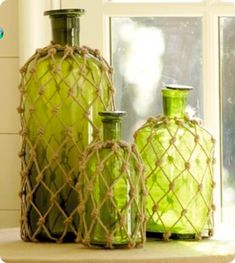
x=112 y=190
x=63 y=87
x=178 y=154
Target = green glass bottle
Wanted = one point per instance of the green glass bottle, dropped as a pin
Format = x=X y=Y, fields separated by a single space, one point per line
x=112 y=190
x=63 y=87
x=178 y=154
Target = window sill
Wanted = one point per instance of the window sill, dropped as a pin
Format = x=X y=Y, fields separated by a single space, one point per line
x=215 y=250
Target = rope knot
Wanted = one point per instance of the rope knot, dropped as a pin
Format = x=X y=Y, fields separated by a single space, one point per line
x=71 y=92
x=95 y=213
x=84 y=51
x=100 y=167
x=81 y=208
x=52 y=51
x=68 y=221
x=213 y=140
x=122 y=221
x=32 y=110
x=196 y=138
x=21 y=153
x=184 y=212
x=172 y=140
x=86 y=239
x=179 y=123
x=41 y=221
x=155 y=208
x=111 y=70
x=23 y=174
x=109 y=239
x=97 y=53
x=172 y=186
x=187 y=165
x=41 y=90
x=115 y=147
x=55 y=110
x=20 y=109
x=132 y=192
x=69 y=131
x=200 y=186
x=39 y=51
x=110 y=193
x=158 y=162
x=53 y=198
x=166 y=236
x=29 y=197
x=40 y=131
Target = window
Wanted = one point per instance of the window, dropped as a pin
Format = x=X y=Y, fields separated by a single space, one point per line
x=205 y=30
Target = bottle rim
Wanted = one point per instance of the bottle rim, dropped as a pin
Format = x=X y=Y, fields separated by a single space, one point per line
x=114 y=114
x=65 y=12
x=178 y=87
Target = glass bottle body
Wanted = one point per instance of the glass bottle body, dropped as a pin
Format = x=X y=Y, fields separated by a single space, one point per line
x=178 y=154
x=63 y=88
x=112 y=189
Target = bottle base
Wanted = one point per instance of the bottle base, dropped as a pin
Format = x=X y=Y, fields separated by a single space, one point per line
x=177 y=236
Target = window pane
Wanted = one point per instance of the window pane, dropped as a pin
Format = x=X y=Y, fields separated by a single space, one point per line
x=147 y=54
x=227 y=57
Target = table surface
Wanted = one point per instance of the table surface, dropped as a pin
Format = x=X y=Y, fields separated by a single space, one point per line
x=12 y=250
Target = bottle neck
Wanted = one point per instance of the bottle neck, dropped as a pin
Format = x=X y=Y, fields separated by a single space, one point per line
x=65 y=26
x=112 y=124
x=174 y=102
x=65 y=30
x=111 y=129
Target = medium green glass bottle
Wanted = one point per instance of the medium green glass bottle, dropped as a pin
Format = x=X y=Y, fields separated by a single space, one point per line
x=112 y=190
x=63 y=87
x=178 y=154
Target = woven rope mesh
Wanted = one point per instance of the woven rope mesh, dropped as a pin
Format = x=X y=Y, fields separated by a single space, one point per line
x=62 y=91
x=179 y=157
x=112 y=195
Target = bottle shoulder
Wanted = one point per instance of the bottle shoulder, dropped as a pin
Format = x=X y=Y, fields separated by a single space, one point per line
x=72 y=55
x=163 y=125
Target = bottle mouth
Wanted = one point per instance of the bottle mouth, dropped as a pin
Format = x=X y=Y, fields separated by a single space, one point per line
x=178 y=87
x=65 y=12
x=114 y=114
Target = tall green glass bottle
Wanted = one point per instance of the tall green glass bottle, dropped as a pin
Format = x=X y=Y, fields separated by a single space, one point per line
x=63 y=87
x=112 y=190
x=178 y=154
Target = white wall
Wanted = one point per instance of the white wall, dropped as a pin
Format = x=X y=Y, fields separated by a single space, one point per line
x=26 y=29
x=9 y=121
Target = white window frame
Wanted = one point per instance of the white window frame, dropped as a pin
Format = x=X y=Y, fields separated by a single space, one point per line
x=95 y=32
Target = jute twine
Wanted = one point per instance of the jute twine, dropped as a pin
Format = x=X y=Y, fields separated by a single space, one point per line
x=112 y=196
x=62 y=90
x=179 y=157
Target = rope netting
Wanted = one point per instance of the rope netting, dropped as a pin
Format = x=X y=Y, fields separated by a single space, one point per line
x=62 y=90
x=179 y=157
x=112 y=196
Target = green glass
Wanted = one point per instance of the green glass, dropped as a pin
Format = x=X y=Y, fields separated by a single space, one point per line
x=178 y=154
x=63 y=88
x=112 y=189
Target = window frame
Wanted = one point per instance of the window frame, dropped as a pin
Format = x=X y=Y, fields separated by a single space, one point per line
x=97 y=21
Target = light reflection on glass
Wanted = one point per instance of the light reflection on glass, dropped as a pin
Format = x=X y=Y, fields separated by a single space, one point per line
x=147 y=54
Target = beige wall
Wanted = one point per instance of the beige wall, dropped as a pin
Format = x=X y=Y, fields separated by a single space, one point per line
x=9 y=119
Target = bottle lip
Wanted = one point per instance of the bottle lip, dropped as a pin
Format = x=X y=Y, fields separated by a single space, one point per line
x=114 y=114
x=65 y=12
x=178 y=87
